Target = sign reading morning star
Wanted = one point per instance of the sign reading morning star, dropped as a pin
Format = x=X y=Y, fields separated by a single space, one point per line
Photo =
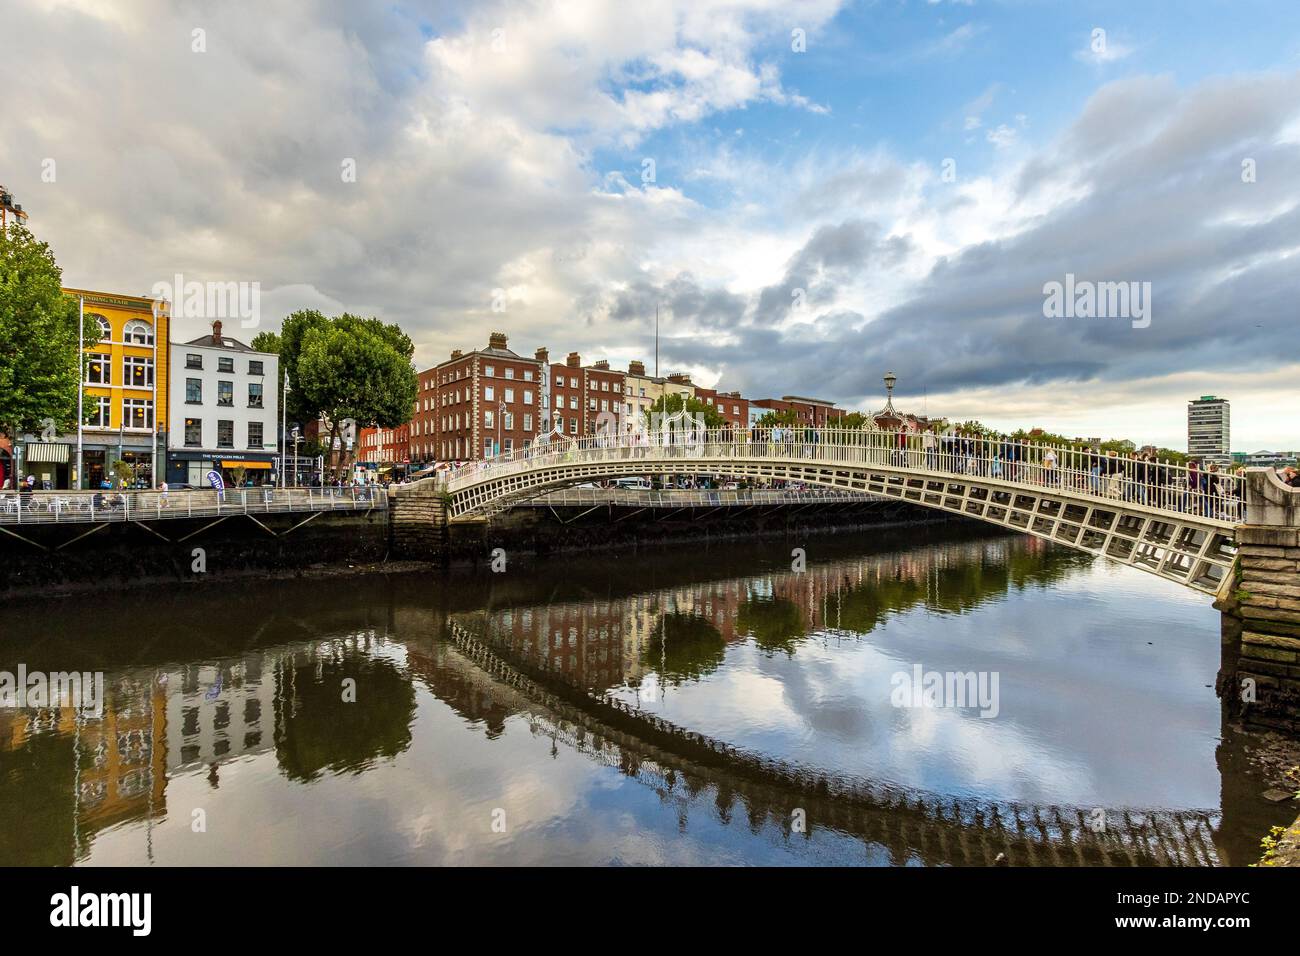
x=1084 y=299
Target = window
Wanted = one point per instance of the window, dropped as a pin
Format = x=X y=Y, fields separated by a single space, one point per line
x=573 y=426
x=528 y=423
x=137 y=413
x=99 y=369
x=510 y=373
x=254 y=394
x=225 y=434
x=98 y=412
x=510 y=394
x=489 y=393
x=573 y=402
x=137 y=372
x=254 y=367
x=559 y=381
x=193 y=391
x=509 y=423
x=254 y=434
x=225 y=364
x=528 y=397
x=573 y=383
x=487 y=447
x=489 y=419
x=105 y=330
x=193 y=360
x=226 y=394
x=137 y=332
x=528 y=375
x=489 y=370
x=193 y=432
x=509 y=445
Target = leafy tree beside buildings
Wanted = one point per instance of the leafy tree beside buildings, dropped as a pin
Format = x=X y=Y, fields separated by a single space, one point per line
x=672 y=404
x=779 y=418
x=40 y=348
x=266 y=342
x=347 y=367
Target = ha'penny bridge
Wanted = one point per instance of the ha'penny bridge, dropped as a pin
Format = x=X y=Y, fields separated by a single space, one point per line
x=909 y=825
x=1233 y=536
x=1161 y=518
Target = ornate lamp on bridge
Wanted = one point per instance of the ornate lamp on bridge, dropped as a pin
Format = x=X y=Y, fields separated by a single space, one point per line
x=888 y=419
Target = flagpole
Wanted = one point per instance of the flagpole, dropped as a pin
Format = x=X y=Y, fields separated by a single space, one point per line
x=284 y=404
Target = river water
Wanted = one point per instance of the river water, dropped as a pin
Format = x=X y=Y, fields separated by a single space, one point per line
x=930 y=696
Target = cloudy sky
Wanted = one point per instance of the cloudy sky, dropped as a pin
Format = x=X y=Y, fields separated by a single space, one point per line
x=813 y=192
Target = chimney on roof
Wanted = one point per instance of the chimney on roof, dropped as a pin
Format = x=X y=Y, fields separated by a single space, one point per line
x=602 y=364
x=636 y=368
x=543 y=356
x=574 y=360
x=216 y=332
x=680 y=378
x=456 y=353
x=497 y=340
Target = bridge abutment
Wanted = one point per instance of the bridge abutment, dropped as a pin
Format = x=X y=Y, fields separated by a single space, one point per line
x=417 y=522
x=1260 y=672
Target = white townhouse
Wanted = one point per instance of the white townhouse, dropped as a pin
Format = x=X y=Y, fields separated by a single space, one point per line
x=224 y=406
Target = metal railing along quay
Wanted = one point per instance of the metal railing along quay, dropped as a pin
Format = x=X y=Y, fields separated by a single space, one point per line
x=88 y=507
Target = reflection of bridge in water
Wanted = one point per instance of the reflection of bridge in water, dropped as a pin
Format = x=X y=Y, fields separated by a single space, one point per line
x=909 y=824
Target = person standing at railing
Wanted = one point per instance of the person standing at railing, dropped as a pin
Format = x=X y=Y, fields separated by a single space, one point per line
x=1049 y=467
x=931 y=453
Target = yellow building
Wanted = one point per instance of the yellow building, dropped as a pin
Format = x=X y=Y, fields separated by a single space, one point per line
x=124 y=398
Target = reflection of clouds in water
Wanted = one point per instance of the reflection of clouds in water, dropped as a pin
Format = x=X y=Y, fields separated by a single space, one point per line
x=1090 y=713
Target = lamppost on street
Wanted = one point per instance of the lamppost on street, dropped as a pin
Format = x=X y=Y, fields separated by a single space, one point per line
x=501 y=414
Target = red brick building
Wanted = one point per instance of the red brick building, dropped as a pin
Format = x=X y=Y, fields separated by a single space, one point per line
x=385 y=449
x=728 y=404
x=481 y=403
x=809 y=411
x=580 y=395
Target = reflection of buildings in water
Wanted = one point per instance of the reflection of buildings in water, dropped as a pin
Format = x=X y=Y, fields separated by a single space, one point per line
x=121 y=771
x=218 y=711
x=604 y=644
x=466 y=690
x=581 y=642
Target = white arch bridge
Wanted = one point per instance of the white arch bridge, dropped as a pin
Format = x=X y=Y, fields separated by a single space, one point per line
x=1160 y=517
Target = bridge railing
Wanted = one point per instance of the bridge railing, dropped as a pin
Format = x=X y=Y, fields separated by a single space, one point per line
x=82 y=507
x=1080 y=472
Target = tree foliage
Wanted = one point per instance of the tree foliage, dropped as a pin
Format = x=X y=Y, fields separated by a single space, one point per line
x=780 y=419
x=347 y=367
x=674 y=403
x=266 y=342
x=40 y=353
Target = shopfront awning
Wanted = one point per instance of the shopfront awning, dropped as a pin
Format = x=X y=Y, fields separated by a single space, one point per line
x=48 y=452
x=246 y=464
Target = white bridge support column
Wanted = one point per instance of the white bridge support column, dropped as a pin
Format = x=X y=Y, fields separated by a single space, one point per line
x=1260 y=678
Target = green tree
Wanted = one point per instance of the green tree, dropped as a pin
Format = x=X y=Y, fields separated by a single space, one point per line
x=266 y=342
x=779 y=419
x=40 y=354
x=349 y=368
x=851 y=420
x=674 y=403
